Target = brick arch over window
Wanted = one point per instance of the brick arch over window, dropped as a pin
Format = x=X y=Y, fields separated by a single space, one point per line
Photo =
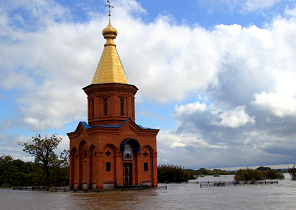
x=109 y=164
x=114 y=148
x=83 y=163
x=92 y=151
x=82 y=146
x=147 y=157
x=73 y=152
x=149 y=148
x=92 y=165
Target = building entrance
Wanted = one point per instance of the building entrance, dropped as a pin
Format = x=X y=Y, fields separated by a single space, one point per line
x=127 y=174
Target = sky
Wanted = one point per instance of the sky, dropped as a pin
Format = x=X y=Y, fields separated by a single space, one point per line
x=217 y=77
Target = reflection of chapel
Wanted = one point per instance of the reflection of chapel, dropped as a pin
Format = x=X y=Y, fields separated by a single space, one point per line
x=111 y=150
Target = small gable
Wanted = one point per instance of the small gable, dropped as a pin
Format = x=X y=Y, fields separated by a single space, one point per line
x=82 y=126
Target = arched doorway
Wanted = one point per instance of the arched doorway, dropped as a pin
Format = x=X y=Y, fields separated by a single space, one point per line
x=129 y=148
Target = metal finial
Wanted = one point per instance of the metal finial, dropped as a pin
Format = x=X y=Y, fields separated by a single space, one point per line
x=109 y=5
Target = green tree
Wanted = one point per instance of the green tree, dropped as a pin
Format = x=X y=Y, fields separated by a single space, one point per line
x=194 y=172
x=204 y=171
x=292 y=172
x=60 y=175
x=15 y=172
x=253 y=175
x=248 y=175
x=171 y=173
x=43 y=151
x=273 y=174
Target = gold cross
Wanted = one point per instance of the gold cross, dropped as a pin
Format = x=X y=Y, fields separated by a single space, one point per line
x=109 y=7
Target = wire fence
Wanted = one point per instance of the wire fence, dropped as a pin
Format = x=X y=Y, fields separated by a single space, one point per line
x=235 y=183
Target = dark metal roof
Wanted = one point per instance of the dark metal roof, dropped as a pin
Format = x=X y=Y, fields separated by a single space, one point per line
x=86 y=126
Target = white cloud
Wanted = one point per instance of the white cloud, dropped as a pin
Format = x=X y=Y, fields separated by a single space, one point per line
x=167 y=54
x=178 y=145
x=185 y=141
x=52 y=107
x=234 y=118
x=190 y=108
x=251 y=5
x=64 y=144
x=226 y=118
x=279 y=103
x=290 y=12
x=9 y=146
x=242 y=6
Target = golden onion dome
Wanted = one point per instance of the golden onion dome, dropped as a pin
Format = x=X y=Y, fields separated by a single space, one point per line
x=109 y=32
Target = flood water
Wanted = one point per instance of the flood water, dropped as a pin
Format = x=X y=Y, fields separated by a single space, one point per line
x=177 y=196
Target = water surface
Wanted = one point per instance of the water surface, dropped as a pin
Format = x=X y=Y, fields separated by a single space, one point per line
x=177 y=196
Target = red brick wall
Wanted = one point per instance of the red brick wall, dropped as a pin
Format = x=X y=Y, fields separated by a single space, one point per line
x=104 y=140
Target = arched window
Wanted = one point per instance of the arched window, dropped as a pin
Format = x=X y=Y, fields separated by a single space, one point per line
x=91 y=107
x=85 y=153
x=145 y=166
x=121 y=106
x=108 y=166
x=133 y=108
x=105 y=106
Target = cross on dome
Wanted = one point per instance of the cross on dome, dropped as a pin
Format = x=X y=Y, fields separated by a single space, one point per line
x=109 y=5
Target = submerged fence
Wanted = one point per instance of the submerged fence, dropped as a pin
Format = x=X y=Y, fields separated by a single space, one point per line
x=66 y=189
x=234 y=183
x=49 y=189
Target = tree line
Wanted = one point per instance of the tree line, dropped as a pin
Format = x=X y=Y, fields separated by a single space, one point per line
x=15 y=172
x=47 y=169
x=207 y=172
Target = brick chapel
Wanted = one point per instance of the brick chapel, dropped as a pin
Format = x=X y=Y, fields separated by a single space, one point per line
x=111 y=150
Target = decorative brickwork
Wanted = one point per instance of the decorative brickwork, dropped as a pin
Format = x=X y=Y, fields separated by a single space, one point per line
x=104 y=160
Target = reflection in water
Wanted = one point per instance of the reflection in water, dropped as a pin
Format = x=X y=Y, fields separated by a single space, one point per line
x=178 y=196
x=116 y=200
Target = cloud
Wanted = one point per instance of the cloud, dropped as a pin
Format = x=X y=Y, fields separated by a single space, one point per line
x=251 y=5
x=228 y=118
x=279 y=104
x=9 y=146
x=190 y=151
x=168 y=54
x=190 y=108
x=241 y=6
x=48 y=64
x=149 y=114
x=234 y=118
x=38 y=14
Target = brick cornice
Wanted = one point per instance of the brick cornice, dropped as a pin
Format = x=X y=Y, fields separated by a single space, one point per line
x=109 y=88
